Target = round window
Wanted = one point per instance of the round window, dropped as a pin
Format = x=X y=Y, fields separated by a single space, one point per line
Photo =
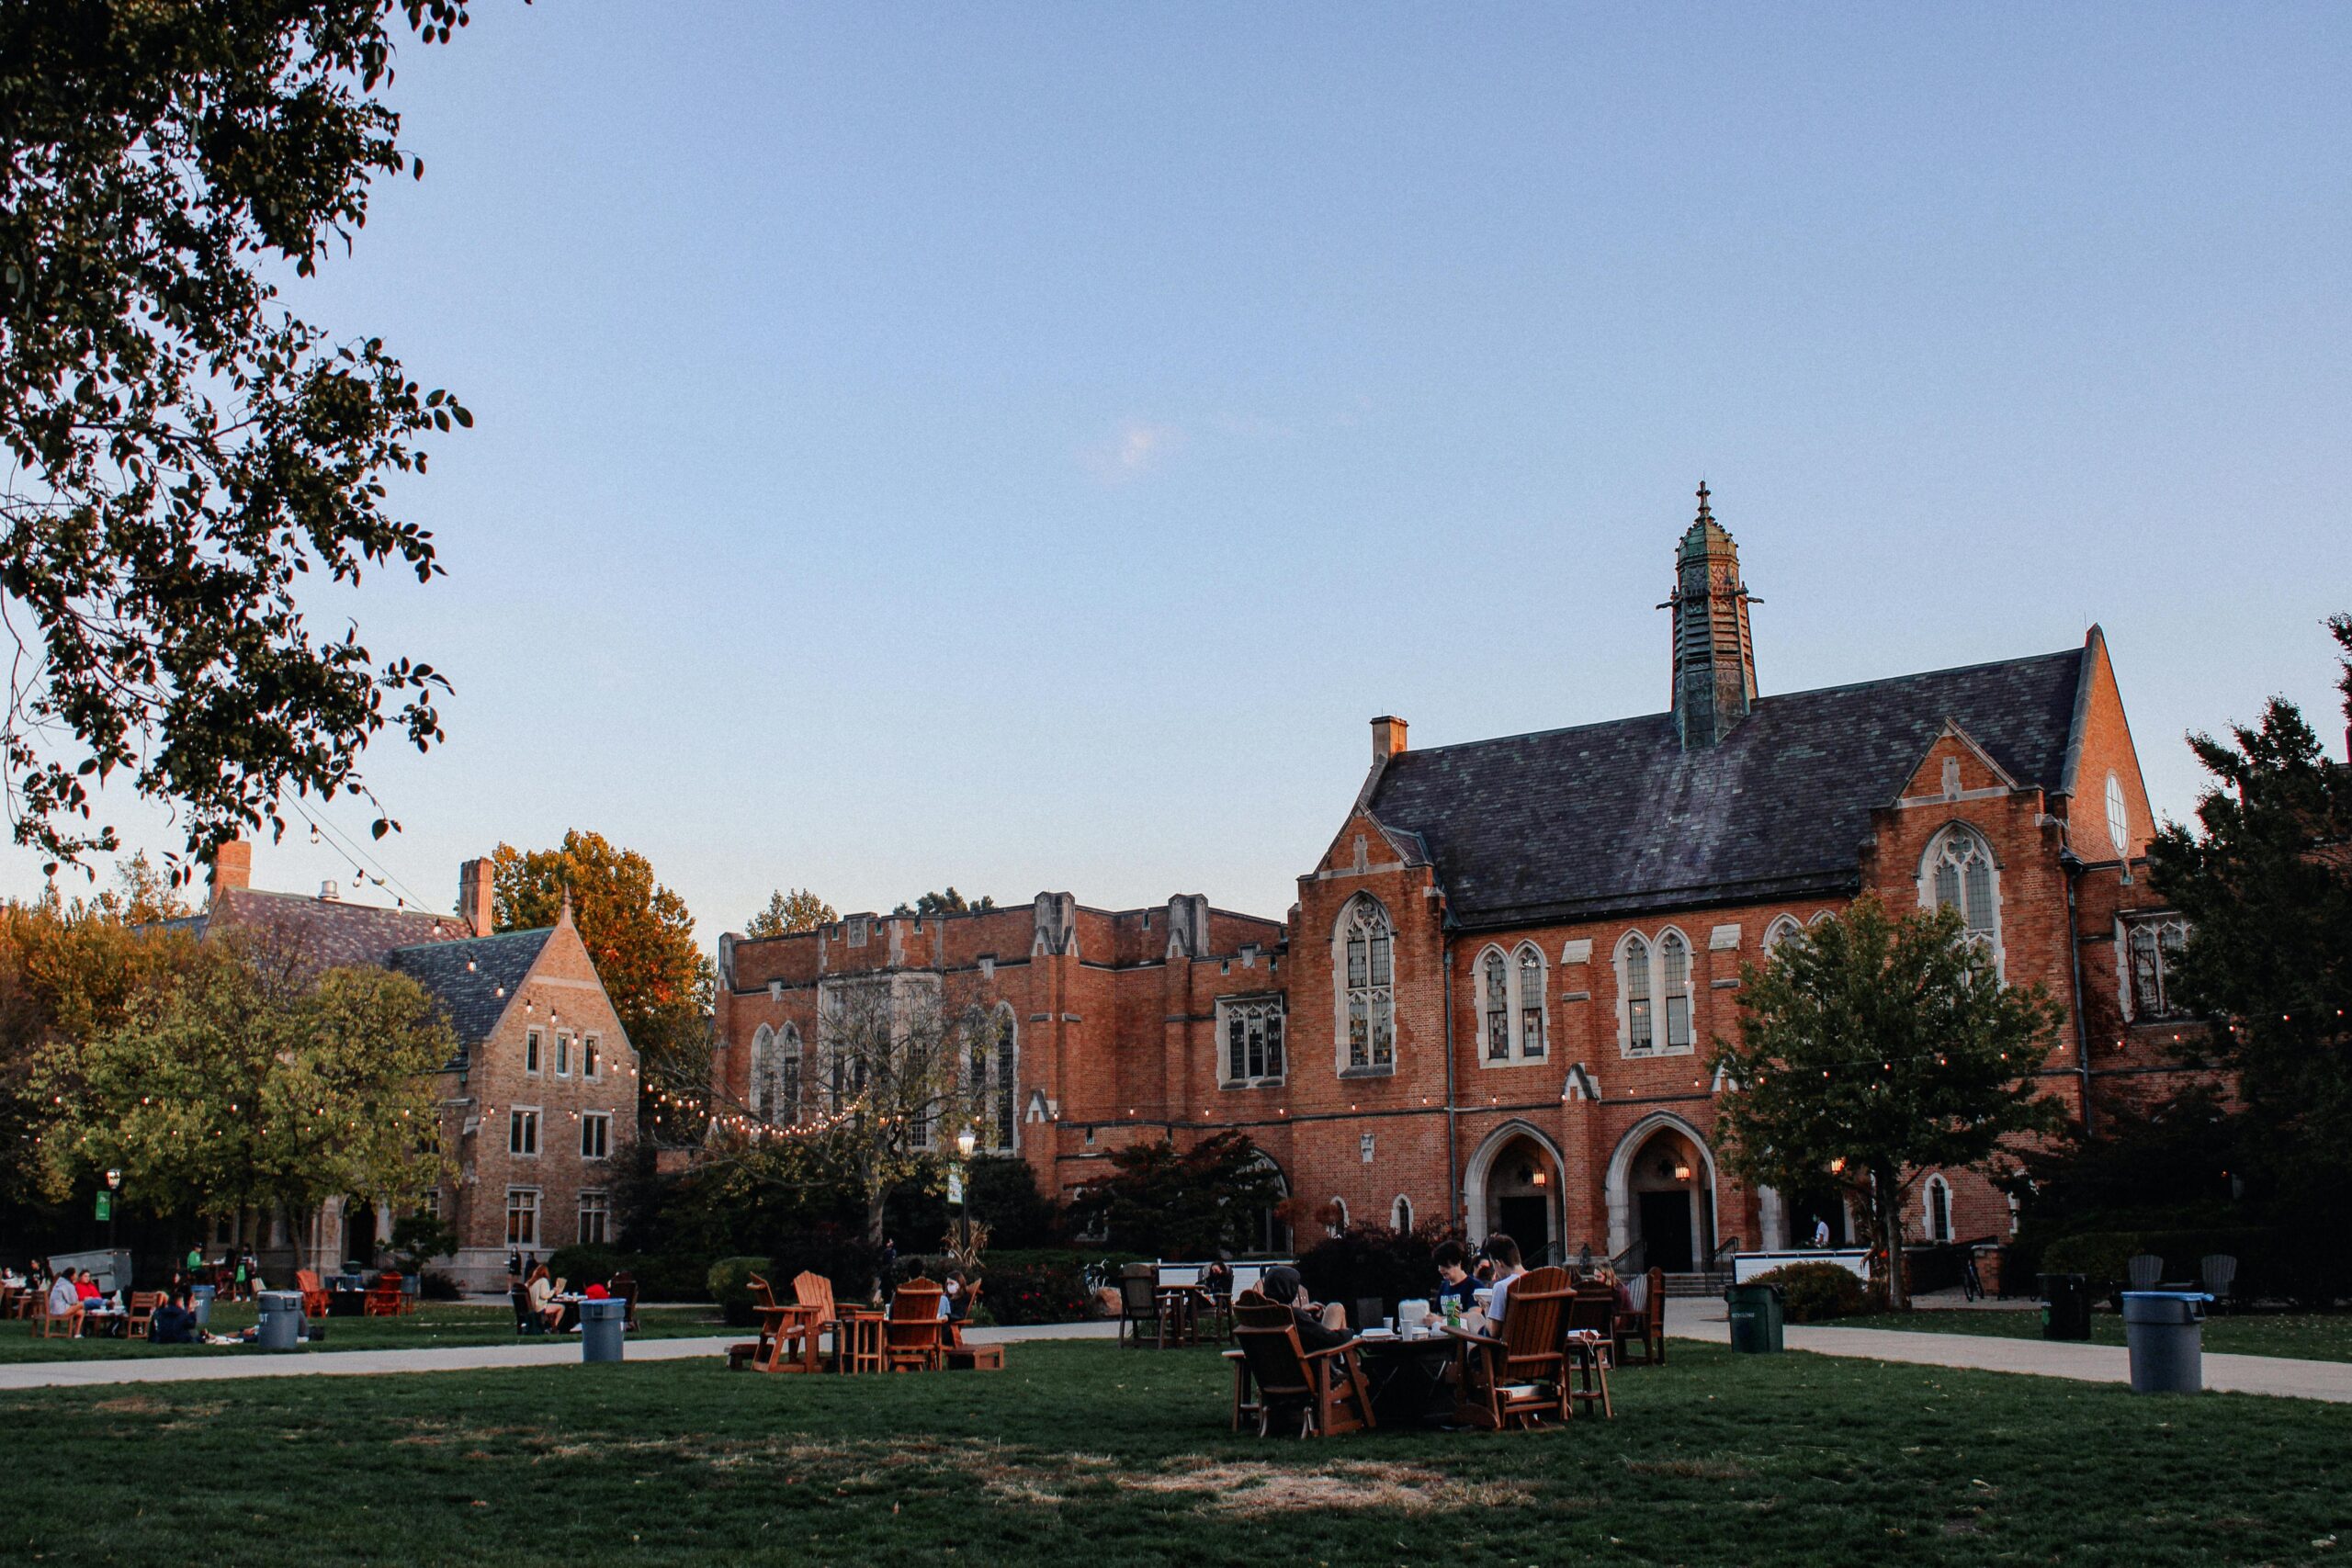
x=2118 y=821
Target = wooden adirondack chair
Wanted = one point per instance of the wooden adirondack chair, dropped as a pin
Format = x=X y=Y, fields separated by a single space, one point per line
x=1326 y=1387
x=48 y=1325
x=1516 y=1377
x=913 y=1339
x=385 y=1298
x=624 y=1285
x=1639 y=1333
x=315 y=1294
x=142 y=1311
x=1139 y=1301
x=799 y=1323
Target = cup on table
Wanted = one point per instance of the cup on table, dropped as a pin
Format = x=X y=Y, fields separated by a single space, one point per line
x=1388 y=1325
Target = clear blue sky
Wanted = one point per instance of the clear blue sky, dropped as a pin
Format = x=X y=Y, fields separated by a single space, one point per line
x=1020 y=447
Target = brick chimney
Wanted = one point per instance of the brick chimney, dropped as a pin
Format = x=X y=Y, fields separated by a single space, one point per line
x=1388 y=737
x=473 y=895
x=232 y=867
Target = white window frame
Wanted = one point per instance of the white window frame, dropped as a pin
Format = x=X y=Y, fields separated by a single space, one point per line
x=532 y=1046
x=2127 y=963
x=1522 y=993
x=1931 y=860
x=790 y=1078
x=1668 y=994
x=755 y=1077
x=2118 y=816
x=518 y=1118
x=1927 y=1190
x=591 y=1057
x=1400 y=1213
x=1637 y=1031
x=524 y=1201
x=1366 y=989
x=565 y=1040
x=602 y=1121
x=1783 y=926
x=1663 y=1012
x=1340 y=1227
x=1264 y=1023
x=603 y=1210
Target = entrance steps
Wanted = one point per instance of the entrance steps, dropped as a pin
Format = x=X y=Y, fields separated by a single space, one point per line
x=1712 y=1282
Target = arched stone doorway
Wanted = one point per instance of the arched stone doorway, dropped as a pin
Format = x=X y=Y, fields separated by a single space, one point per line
x=1662 y=1194
x=1512 y=1185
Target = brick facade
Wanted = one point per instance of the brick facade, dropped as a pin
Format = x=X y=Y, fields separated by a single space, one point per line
x=1575 y=1135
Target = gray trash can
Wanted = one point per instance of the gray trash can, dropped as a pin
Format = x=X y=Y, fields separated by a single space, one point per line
x=281 y=1320
x=1755 y=1312
x=2166 y=1331
x=200 y=1303
x=600 y=1329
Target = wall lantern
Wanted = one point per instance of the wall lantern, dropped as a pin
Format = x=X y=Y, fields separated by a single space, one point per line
x=1681 y=1170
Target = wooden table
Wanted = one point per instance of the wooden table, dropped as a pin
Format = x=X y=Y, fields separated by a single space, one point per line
x=858 y=1340
x=1409 y=1379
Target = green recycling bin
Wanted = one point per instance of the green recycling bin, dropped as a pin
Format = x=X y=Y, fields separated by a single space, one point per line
x=1755 y=1312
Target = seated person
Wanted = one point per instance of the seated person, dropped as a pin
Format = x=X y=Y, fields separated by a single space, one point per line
x=956 y=1297
x=1217 y=1278
x=85 y=1288
x=174 y=1323
x=1503 y=1253
x=65 y=1302
x=541 y=1292
x=1454 y=1282
x=1320 y=1327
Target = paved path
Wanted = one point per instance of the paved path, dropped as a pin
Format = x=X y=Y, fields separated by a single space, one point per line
x=2043 y=1358
x=453 y=1359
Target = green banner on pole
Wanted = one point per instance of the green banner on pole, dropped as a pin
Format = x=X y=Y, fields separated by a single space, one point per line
x=106 y=1205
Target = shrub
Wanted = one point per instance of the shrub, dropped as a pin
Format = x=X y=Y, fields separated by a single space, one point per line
x=2270 y=1262
x=730 y=1286
x=1812 y=1292
x=671 y=1276
x=438 y=1285
x=1034 y=1296
x=1369 y=1260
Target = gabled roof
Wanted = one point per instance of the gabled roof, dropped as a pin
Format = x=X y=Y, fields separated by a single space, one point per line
x=1608 y=818
x=326 y=932
x=474 y=980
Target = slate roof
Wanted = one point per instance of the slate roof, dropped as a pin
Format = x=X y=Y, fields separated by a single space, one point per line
x=327 y=932
x=474 y=980
x=1610 y=817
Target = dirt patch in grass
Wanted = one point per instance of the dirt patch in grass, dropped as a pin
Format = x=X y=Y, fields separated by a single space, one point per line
x=1255 y=1487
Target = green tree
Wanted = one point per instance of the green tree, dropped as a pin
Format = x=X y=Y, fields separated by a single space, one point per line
x=948 y=902
x=2266 y=880
x=1182 y=1203
x=642 y=941
x=189 y=452
x=788 y=913
x=241 y=1086
x=1874 y=1046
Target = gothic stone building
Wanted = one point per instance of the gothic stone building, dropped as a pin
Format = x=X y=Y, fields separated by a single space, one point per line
x=539 y=1099
x=1491 y=1004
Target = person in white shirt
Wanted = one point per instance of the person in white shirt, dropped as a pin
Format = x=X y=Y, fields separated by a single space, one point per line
x=1821 y=1233
x=1505 y=1254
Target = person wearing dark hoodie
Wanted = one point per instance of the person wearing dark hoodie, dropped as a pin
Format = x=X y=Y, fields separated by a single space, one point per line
x=1320 y=1327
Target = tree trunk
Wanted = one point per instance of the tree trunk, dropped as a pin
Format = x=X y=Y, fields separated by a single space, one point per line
x=877 y=1199
x=1886 y=1191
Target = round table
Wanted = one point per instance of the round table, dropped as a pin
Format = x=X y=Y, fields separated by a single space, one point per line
x=1408 y=1379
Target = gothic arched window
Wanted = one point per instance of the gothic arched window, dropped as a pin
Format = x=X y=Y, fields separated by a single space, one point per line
x=1786 y=926
x=1674 y=967
x=993 y=1086
x=1497 y=987
x=1960 y=874
x=1531 y=1004
x=1633 y=985
x=755 y=1087
x=1400 y=1215
x=1367 y=982
x=1937 y=1202
x=2154 y=948
x=786 y=1106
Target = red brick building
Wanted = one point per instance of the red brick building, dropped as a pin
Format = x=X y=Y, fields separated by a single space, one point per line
x=534 y=1107
x=1493 y=1000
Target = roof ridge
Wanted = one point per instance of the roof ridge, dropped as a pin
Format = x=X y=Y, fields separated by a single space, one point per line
x=1667 y=714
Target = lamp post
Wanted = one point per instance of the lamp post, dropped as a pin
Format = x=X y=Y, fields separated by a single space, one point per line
x=967 y=1141
x=114 y=1185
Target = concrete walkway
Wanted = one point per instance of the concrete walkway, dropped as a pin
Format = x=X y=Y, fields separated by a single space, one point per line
x=455 y=1358
x=2329 y=1381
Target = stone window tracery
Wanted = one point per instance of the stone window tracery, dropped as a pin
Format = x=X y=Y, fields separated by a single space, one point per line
x=1367 y=980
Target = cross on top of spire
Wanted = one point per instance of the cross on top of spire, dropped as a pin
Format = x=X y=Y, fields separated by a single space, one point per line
x=1704 y=514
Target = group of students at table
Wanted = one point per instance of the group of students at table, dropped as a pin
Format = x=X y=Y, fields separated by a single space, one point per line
x=558 y=1312
x=72 y=1297
x=1473 y=1291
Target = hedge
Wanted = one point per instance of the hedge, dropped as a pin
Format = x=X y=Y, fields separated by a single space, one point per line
x=730 y=1286
x=2270 y=1262
x=1812 y=1292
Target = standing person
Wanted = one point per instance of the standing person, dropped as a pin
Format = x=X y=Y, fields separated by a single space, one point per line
x=195 y=1263
x=241 y=1286
x=1821 y=1233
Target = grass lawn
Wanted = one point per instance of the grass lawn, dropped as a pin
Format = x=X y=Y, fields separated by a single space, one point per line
x=1086 y=1454
x=432 y=1324
x=2311 y=1336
